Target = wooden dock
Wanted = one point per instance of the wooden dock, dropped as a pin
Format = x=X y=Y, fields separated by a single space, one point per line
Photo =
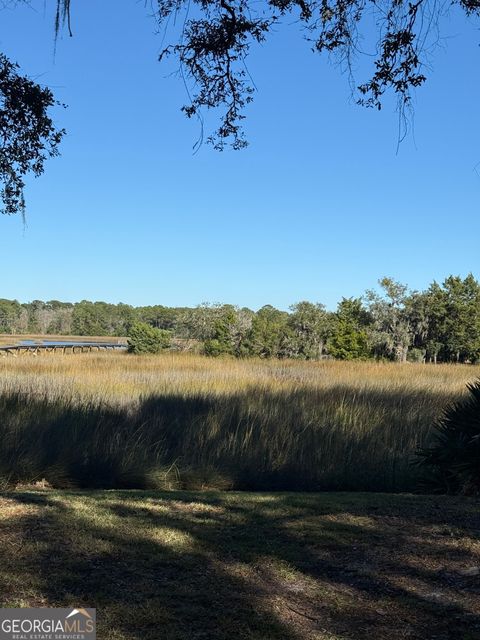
x=63 y=348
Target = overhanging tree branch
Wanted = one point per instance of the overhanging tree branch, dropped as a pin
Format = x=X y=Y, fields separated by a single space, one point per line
x=27 y=133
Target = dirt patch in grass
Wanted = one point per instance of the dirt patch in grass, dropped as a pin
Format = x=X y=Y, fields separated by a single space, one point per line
x=217 y=566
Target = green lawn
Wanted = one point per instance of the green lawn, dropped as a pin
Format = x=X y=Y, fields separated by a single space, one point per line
x=213 y=566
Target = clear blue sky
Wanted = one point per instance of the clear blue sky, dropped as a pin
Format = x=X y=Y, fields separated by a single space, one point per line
x=319 y=206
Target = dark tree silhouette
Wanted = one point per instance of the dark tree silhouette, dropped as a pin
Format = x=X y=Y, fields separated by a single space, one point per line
x=212 y=39
x=28 y=135
x=215 y=36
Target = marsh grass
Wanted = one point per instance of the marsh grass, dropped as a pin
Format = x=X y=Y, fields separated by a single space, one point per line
x=185 y=421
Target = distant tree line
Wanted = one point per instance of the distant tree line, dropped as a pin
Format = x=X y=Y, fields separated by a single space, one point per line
x=440 y=324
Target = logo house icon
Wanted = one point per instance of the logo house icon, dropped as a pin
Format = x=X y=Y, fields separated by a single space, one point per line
x=81 y=621
x=82 y=612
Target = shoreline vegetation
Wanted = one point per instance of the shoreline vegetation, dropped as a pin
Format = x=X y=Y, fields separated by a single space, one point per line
x=440 y=324
x=184 y=421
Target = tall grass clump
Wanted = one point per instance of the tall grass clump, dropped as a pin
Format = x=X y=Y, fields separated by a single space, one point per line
x=178 y=420
x=80 y=444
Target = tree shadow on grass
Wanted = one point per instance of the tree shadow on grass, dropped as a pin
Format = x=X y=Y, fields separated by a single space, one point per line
x=277 y=566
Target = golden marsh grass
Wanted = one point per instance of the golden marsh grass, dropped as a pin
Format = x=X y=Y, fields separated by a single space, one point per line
x=260 y=424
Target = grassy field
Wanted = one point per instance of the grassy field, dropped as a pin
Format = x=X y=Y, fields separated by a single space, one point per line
x=212 y=565
x=216 y=566
x=184 y=421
